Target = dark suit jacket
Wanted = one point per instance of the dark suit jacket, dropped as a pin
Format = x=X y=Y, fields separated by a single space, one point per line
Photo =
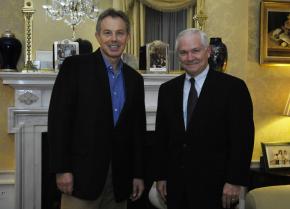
x=82 y=136
x=217 y=146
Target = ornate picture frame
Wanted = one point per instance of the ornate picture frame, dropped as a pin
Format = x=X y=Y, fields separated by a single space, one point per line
x=63 y=49
x=275 y=33
x=157 y=59
x=276 y=155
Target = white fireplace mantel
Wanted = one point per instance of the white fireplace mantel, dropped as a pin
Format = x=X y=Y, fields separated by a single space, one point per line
x=33 y=91
x=28 y=119
x=46 y=80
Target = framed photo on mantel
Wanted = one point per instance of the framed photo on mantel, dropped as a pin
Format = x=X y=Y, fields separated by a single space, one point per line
x=157 y=60
x=63 y=49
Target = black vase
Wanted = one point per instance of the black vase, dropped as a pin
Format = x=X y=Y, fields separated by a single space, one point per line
x=219 y=55
x=10 y=50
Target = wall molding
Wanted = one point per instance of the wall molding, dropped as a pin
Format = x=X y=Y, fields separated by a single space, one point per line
x=7 y=189
x=7 y=177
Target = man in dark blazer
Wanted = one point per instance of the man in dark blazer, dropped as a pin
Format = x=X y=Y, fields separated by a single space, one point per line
x=202 y=161
x=97 y=122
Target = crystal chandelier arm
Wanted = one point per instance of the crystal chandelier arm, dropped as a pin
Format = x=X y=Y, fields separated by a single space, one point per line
x=72 y=12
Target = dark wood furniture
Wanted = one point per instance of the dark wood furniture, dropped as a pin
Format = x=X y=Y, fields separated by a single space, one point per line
x=261 y=177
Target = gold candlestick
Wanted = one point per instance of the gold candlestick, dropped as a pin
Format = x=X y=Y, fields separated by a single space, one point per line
x=28 y=12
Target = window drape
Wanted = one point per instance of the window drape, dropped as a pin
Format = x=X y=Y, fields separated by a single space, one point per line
x=136 y=12
x=165 y=26
x=168 y=5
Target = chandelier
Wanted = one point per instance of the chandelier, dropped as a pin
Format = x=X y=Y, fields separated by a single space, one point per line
x=72 y=12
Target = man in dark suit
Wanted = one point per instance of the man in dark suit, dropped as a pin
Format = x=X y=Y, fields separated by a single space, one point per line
x=96 y=123
x=204 y=132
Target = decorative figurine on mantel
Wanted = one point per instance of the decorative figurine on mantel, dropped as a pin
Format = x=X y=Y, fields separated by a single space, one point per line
x=10 y=50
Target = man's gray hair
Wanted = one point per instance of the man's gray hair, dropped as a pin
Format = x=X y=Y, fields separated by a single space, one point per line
x=191 y=31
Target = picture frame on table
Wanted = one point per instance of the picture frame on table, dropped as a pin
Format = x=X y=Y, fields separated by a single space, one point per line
x=276 y=155
x=63 y=49
x=275 y=32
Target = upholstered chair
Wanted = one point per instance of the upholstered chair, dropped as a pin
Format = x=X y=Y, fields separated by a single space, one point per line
x=271 y=197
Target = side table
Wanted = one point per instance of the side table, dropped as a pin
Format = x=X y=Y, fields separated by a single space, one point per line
x=261 y=178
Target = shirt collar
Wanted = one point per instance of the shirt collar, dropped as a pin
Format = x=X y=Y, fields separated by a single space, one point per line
x=200 y=76
x=109 y=67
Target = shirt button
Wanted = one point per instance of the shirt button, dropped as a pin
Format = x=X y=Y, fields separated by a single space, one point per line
x=115 y=109
x=115 y=93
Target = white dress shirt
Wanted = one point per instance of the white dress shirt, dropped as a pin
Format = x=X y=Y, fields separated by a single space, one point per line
x=199 y=80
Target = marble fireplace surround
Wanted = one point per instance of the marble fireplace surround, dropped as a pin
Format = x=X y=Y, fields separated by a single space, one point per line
x=27 y=119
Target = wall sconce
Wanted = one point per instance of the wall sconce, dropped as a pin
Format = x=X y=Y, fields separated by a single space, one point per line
x=200 y=17
x=287 y=107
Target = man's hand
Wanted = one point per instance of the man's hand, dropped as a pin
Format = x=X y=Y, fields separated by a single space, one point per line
x=161 y=188
x=231 y=194
x=64 y=182
x=138 y=188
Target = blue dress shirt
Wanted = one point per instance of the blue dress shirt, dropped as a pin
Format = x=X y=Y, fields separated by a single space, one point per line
x=117 y=88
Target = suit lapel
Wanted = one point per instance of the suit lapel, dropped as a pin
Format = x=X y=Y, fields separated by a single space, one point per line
x=102 y=81
x=206 y=91
x=179 y=103
x=204 y=100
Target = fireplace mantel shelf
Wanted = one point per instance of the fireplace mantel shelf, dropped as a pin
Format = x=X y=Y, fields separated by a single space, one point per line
x=33 y=91
x=42 y=80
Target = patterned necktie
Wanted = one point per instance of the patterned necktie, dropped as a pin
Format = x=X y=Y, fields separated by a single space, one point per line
x=192 y=99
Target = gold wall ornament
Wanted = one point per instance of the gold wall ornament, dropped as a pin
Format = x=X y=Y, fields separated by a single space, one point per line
x=200 y=17
x=28 y=12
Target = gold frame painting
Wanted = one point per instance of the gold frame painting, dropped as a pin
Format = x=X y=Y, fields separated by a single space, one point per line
x=275 y=33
